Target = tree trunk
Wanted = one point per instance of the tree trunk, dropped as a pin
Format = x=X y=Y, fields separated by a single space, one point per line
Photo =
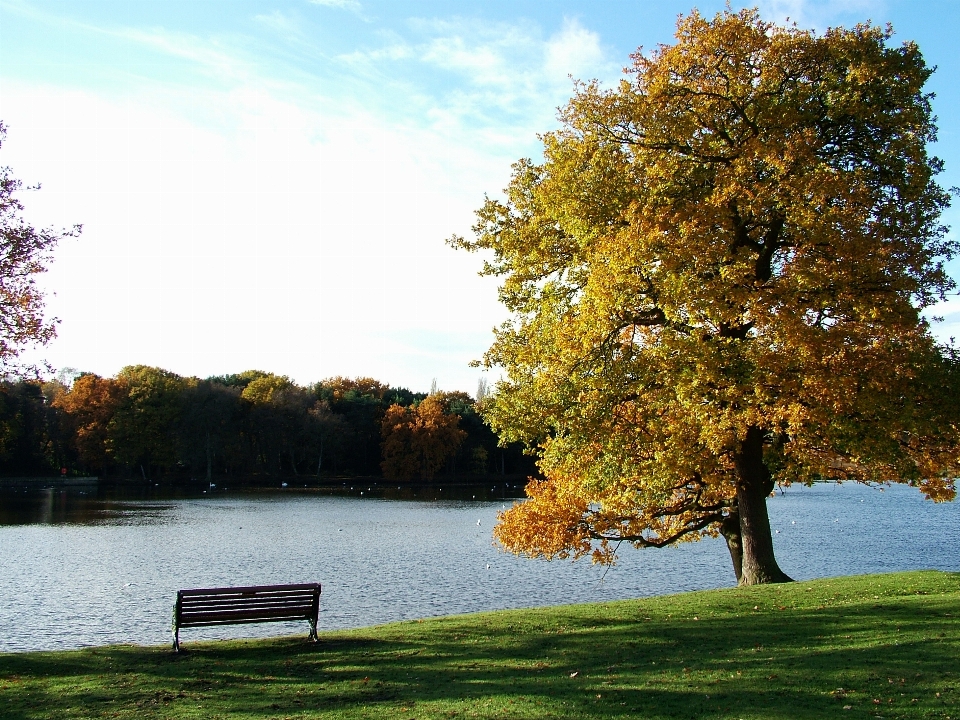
x=754 y=484
x=209 y=460
x=730 y=529
x=320 y=459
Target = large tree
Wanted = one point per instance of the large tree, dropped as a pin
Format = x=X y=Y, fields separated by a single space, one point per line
x=717 y=275
x=24 y=253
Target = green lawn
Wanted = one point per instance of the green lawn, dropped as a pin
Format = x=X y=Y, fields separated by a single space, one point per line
x=871 y=646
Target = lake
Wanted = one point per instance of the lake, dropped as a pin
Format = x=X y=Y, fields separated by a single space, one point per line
x=80 y=568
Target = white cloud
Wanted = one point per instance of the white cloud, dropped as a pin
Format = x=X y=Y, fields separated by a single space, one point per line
x=351 y=5
x=497 y=80
x=201 y=51
x=280 y=23
x=482 y=63
x=365 y=61
x=575 y=51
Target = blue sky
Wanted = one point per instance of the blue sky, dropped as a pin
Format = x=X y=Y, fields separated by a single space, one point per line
x=269 y=184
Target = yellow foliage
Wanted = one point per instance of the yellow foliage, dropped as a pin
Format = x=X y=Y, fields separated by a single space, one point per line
x=261 y=390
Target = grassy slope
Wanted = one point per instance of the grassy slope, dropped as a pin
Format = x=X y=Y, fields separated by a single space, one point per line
x=881 y=645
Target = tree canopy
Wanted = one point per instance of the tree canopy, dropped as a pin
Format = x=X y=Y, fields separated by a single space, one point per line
x=716 y=275
x=24 y=253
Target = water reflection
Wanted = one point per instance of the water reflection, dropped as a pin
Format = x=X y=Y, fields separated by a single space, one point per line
x=62 y=506
x=81 y=568
x=143 y=504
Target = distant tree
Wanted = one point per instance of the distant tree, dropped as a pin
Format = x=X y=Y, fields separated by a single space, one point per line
x=361 y=402
x=296 y=425
x=477 y=435
x=240 y=380
x=338 y=387
x=402 y=396
x=142 y=434
x=260 y=390
x=25 y=445
x=87 y=409
x=717 y=275
x=209 y=425
x=262 y=418
x=481 y=451
x=418 y=440
x=400 y=458
x=331 y=433
x=289 y=424
x=24 y=253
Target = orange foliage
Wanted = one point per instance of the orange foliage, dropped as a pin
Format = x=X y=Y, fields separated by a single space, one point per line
x=340 y=386
x=88 y=408
x=417 y=441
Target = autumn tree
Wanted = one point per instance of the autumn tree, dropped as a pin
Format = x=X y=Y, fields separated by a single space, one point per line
x=143 y=431
x=716 y=275
x=418 y=440
x=340 y=387
x=24 y=254
x=87 y=409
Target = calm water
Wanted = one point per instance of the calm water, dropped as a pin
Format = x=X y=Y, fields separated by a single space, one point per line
x=77 y=570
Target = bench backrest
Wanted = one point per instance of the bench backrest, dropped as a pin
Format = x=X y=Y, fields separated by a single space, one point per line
x=259 y=603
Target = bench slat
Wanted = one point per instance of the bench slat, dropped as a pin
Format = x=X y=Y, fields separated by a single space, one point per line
x=252 y=600
x=240 y=615
x=249 y=589
x=218 y=623
x=263 y=607
x=298 y=608
x=228 y=596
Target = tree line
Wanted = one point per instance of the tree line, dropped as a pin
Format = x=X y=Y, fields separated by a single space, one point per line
x=150 y=423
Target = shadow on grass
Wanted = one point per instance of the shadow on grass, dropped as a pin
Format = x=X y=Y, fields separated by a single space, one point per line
x=705 y=654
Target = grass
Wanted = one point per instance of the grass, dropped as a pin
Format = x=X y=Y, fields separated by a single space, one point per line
x=858 y=647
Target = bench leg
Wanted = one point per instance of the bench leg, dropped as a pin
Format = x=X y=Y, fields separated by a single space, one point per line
x=313 y=631
x=176 y=639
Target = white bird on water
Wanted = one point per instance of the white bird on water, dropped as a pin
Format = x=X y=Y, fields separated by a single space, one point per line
x=478 y=523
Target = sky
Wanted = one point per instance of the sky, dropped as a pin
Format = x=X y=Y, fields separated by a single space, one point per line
x=270 y=184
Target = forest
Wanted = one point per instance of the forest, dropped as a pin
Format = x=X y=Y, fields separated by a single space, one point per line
x=150 y=424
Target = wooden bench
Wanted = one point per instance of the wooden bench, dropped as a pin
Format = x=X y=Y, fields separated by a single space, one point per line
x=232 y=606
